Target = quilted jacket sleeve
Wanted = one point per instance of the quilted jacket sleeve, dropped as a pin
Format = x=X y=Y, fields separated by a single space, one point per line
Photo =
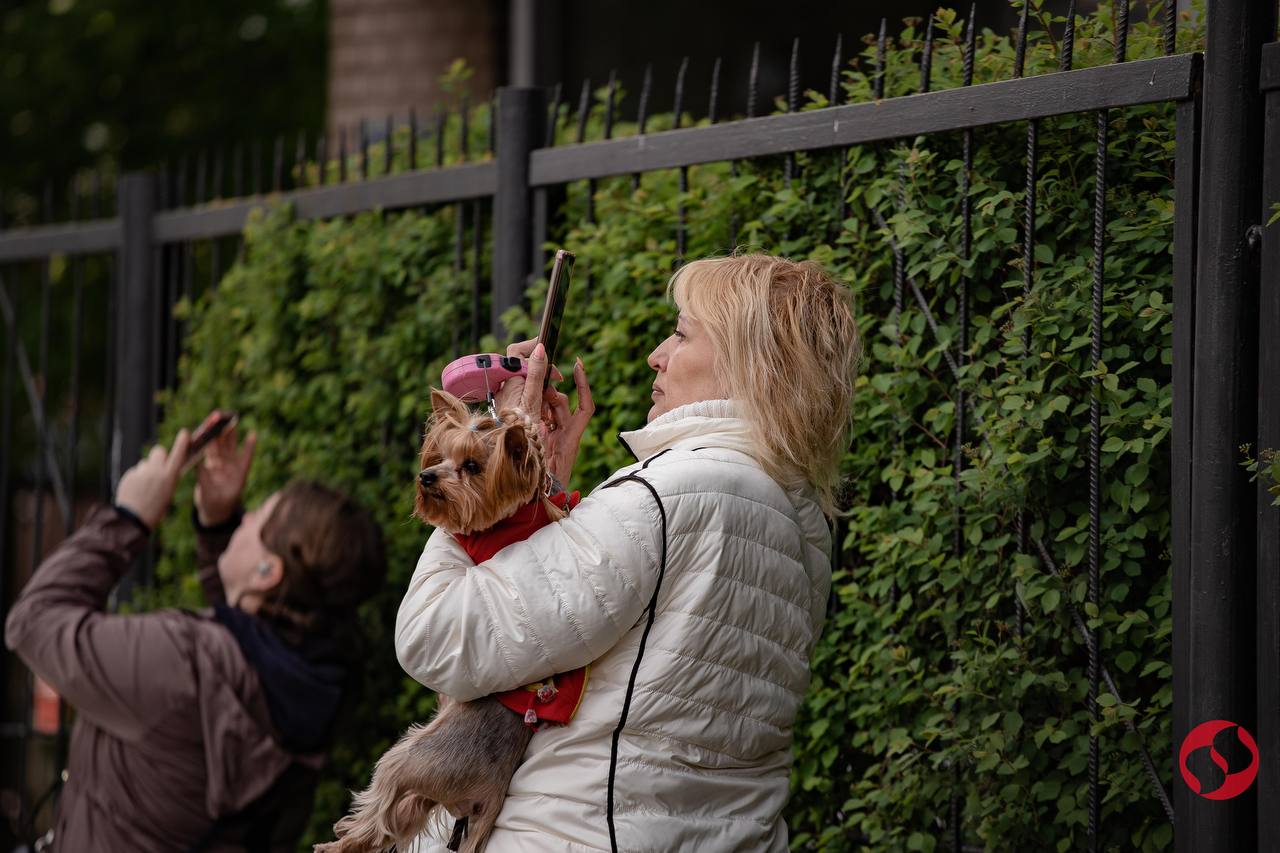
x=554 y=602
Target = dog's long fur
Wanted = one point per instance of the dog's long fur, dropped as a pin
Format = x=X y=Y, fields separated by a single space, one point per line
x=475 y=471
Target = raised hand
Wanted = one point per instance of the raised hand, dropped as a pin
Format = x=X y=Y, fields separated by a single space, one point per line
x=146 y=489
x=222 y=474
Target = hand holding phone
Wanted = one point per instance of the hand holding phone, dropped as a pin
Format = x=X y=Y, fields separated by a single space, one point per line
x=472 y=378
x=220 y=480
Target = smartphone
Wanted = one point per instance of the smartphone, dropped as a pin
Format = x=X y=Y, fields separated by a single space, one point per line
x=200 y=441
x=553 y=313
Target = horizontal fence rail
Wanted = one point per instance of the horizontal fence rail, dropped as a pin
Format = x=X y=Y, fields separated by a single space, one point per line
x=1167 y=78
x=81 y=238
x=433 y=186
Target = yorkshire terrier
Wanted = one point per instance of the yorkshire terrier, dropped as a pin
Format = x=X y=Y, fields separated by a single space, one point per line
x=481 y=473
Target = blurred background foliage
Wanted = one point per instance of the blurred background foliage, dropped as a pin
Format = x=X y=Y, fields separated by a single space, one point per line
x=168 y=78
x=950 y=664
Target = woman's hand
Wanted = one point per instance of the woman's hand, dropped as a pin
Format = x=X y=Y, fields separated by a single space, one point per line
x=222 y=474
x=561 y=430
x=146 y=489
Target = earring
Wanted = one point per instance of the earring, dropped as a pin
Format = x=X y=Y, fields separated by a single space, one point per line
x=264 y=568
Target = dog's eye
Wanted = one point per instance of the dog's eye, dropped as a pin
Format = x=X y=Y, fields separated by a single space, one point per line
x=471 y=467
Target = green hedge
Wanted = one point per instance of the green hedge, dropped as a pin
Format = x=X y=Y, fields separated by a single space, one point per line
x=327 y=336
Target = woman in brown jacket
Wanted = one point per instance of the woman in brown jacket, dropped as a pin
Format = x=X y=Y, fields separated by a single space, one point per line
x=201 y=731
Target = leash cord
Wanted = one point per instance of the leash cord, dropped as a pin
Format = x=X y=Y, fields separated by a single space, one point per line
x=635 y=668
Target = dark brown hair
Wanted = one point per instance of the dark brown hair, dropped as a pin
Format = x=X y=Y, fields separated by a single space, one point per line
x=333 y=555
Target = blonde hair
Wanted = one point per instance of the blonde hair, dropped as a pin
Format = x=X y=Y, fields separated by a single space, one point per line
x=787 y=347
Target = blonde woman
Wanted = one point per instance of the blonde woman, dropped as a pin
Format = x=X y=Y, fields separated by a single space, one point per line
x=693 y=581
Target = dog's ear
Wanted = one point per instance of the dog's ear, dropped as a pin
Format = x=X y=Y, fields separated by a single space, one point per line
x=516 y=445
x=444 y=404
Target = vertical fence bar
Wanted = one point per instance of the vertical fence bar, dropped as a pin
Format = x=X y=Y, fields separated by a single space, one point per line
x=1021 y=520
x=1222 y=561
x=109 y=367
x=962 y=359
x=522 y=113
x=477 y=279
x=42 y=389
x=1268 y=608
x=135 y=355
x=642 y=112
x=1186 y=205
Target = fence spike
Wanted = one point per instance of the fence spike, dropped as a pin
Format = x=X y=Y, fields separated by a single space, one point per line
x=970 y=44
x=678 y=106
x=584 y=109
x=277 y=163
x=492 y=140
x=553 y=117
x=834 y=92
x=413 y=138
x=342 y=154
x=610 y=95
x=237 y=170
x=322 y=155
x=389 y=145
x=793 y=77
x=1170 y=27
x=643 y=109
x=793 y=103
x=442 y=122
x=364 y=149
x=1122 y=30
x=1020 y=47
x=464 y=127
x=926 y=58
x=180 y=183
x=255 y=148
x=878 y=85
x=753 y=78
x=219 y=159
x=715 y=92
x=1067 y=55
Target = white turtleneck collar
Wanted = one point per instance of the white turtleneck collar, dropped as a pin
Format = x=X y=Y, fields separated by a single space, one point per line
x=706 y=423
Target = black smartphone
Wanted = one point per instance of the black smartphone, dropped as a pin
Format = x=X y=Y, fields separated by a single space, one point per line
x=553 y=313
x=200 y=441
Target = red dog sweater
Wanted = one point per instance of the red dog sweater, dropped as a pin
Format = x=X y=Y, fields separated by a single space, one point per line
x=556 y=699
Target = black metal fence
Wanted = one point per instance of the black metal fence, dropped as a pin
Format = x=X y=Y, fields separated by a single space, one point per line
x=172 y=233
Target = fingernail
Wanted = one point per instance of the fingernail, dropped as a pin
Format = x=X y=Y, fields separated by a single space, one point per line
x=539 y=351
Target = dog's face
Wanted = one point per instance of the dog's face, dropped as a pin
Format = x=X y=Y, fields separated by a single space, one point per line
x=475 y=471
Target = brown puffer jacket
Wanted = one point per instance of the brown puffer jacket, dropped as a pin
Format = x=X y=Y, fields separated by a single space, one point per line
x=173 y=739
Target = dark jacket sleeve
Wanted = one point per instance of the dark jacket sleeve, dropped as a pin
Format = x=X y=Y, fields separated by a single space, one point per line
x=210 y=543
x=121 y=672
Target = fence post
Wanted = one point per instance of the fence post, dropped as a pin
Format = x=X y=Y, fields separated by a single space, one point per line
x=521 y=125
x=1268 y=734
x=1219 y=672
x=135 y=339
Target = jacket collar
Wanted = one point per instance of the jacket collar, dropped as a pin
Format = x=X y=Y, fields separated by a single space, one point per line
x=707 y=423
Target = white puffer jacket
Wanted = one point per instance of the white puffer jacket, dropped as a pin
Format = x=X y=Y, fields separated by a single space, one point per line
x=703 y=761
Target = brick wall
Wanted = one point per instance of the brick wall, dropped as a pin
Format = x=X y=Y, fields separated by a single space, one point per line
x=387 y=55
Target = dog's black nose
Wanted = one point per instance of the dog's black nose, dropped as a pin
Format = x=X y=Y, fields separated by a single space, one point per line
x=427 y=478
